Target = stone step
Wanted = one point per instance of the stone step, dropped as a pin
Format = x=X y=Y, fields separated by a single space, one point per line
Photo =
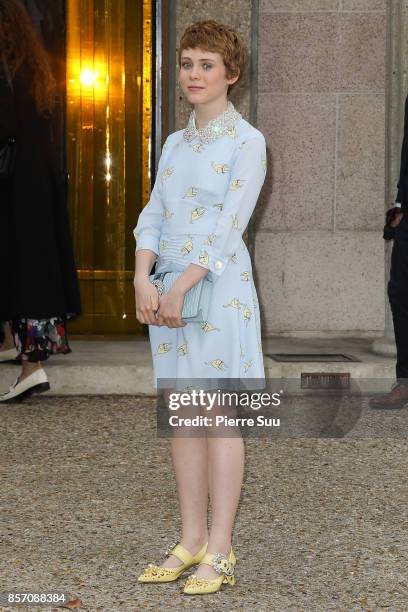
x=105 y=366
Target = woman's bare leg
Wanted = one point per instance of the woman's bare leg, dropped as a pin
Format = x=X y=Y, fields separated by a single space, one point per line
x=28 y=367
x=226 y=472
x=8 y=342
x=189 y=458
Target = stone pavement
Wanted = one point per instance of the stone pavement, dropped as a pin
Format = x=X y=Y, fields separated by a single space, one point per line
x=88 y=498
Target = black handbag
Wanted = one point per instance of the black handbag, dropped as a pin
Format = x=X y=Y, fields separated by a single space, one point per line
x=7 y=150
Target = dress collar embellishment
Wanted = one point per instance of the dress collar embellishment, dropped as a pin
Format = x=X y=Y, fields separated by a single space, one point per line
x=222 y=125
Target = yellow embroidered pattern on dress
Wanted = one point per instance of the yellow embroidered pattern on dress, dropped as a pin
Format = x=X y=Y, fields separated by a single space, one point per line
x=163 y=348
x=232 y=132
x=220 y=168
x=182 y=349
x=247 y=314
x=218 y=364
x=207 y=327
x=210 y=239
x=167 y=213
x=203 y=258
x=197 y=213
x=236 y=184
x=167 y=172
x=234 y=303
x=187 y=247
x=235 y=222
x=191 y=192
x=247 y=365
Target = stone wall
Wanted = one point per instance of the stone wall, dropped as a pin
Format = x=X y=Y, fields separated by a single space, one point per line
x=235 y=13
x=319 y=254
x=321 y=105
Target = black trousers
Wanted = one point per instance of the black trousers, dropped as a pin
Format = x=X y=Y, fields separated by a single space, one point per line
x=398 y=296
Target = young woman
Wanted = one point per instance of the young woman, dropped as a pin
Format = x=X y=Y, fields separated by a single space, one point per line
x=209 y=178
x=39 y=287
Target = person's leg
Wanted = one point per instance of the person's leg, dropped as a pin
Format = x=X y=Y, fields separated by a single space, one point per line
x=35 y=340
x=8 y=342
x=398 y=298
x=31 y=362
x=31 y=358
x=399 y=308
x=29 y=367
x=226 y=457
x=25 y=343
x=189 y=458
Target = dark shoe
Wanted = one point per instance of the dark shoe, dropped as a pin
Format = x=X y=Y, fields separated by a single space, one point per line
x=396 y=398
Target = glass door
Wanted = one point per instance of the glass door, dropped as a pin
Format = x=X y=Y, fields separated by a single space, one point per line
x=108 y=136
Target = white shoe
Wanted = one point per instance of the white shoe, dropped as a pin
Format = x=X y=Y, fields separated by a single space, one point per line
x=8 y=355
x=37 y=382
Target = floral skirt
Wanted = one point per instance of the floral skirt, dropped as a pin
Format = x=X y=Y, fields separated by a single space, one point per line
x=37 y=339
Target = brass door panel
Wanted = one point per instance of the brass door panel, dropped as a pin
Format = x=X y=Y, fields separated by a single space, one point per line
x=108 y=113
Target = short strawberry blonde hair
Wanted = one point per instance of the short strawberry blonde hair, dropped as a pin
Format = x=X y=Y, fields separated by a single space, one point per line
x=217 y=38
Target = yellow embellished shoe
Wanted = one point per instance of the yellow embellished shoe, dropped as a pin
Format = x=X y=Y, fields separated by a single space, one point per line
x=222 y=564
x=155 y=573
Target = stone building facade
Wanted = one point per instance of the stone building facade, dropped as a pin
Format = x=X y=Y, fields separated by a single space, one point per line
x=317 y=90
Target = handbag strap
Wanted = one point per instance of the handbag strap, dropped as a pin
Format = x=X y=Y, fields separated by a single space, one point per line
x=7 y=73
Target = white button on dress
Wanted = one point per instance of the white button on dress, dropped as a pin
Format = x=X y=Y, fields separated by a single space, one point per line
x=206 y=189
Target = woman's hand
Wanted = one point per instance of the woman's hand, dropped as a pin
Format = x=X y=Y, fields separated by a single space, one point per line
x=170 y=308
x=393 y=216
x=147 y=300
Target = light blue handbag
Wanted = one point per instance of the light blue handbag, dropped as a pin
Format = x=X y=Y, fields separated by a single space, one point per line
x=196 y=300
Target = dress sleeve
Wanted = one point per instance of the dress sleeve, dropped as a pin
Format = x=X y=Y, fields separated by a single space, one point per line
x=148 y=228
x=247 y=177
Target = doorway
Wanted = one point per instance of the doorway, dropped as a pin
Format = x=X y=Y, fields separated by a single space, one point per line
x=109 y=135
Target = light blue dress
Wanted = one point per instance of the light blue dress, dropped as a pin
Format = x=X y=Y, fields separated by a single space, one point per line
x=206 y=189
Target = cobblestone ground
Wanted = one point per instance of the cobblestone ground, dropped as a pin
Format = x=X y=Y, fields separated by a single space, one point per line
x=88 y=498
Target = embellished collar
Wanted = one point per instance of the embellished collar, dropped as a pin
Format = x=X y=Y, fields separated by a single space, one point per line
x=222 y=125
